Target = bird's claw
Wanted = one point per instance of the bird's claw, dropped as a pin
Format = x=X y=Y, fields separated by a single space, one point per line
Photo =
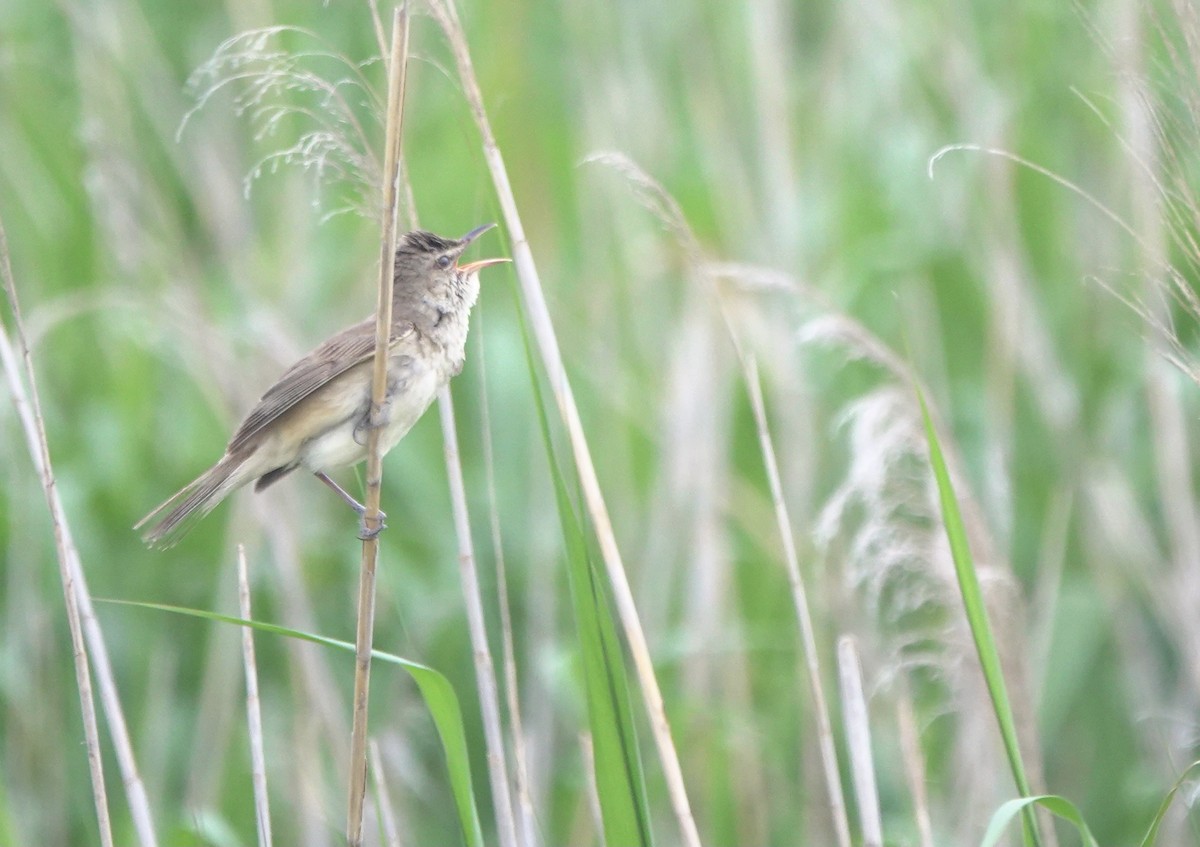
x=372 y=421
x=366 y=533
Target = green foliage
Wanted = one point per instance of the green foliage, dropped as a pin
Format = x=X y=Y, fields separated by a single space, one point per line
x=976 y=611
x=436 y=690
x=1060 y=807
x=163 y=295
x=1151 y=836
x=617 y=761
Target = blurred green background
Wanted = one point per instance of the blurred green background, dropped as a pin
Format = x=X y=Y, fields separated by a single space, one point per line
x=164 y=289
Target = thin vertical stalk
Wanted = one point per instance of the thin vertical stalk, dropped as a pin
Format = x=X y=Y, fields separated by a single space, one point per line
x=664 y=206
x=547 y=343
x=258 y=759
x=526 y=828
x=914 y=764
x=383 y=802
x=485 y=670
x=858 y=742
x=30 y=412
x=808 y=639
x=373 y=520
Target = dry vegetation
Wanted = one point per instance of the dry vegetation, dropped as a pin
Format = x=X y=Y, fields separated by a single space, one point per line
x=738 y=252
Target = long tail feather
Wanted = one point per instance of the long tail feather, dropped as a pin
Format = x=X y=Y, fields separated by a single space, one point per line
x=193 y=501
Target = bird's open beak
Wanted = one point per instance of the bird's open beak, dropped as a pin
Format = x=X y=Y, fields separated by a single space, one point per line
x=474 y=267
x=475 y=233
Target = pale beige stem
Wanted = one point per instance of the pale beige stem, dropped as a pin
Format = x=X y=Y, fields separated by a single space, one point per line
x=373 y=521
x=81 y=617
x=808 y=639
x=258 y=759
x=547 y=343
x=485 y=670
x=383 y=802
x=526 y=823
x=914 y=764
x=857 y=721
x=83 y=677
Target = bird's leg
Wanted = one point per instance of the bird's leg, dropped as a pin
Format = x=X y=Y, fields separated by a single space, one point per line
x=364 y=533
x=341 y=492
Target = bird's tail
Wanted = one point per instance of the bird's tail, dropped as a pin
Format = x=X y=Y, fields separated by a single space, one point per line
x=193 y=501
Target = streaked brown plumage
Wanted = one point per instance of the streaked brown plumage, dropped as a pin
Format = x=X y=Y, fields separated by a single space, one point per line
x=316 y=415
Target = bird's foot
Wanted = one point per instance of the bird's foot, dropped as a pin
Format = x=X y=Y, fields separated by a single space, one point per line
x=373 y=419
x=366 y=533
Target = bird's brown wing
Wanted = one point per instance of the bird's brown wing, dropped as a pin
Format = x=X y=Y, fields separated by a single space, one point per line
x=336 y=356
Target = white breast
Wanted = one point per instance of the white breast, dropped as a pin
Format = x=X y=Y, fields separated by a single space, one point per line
x=345 y=444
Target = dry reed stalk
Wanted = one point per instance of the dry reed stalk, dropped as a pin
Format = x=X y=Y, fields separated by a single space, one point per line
x=81 y=617
x=383 y=802
x=808 y=639
x=858 y=742
x=258 y=759
x=372 y=519
x=83 y=678
x=538 y=315
x=914 y=763
x=666 y=209
x=485 y=671
x=526 y=825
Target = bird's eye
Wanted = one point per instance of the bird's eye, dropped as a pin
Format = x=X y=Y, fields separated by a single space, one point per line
x=443 y=262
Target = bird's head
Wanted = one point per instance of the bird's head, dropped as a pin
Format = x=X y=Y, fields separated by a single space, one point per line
x=426 y=260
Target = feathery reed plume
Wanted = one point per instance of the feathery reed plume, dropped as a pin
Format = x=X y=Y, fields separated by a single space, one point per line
x=338 y=107
x=883 y=521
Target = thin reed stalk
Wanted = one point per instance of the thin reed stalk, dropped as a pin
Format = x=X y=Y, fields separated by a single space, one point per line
x=538 y=315
x=858 y=741
x=373 y=520
x=914 y=763
x=83 y=677
x=808 y=639
x=258 y=759
x=383 y=801
x=81 y=616
x=664 y=206
x=526 y=826
x=485 y=670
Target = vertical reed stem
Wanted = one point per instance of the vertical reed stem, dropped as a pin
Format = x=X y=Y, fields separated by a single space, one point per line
x=258 y=758
x=538 y=315
x=373 y=521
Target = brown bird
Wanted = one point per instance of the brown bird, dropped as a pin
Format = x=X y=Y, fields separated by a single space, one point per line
x=316 y=416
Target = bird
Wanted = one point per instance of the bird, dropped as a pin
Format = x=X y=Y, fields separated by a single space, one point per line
x=317 y=415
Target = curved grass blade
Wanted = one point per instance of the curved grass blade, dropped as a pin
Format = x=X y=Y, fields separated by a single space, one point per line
x=1060 y=807
x=620 y=782
x=1151 y=835
x=977 y=618
x=439 y=697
